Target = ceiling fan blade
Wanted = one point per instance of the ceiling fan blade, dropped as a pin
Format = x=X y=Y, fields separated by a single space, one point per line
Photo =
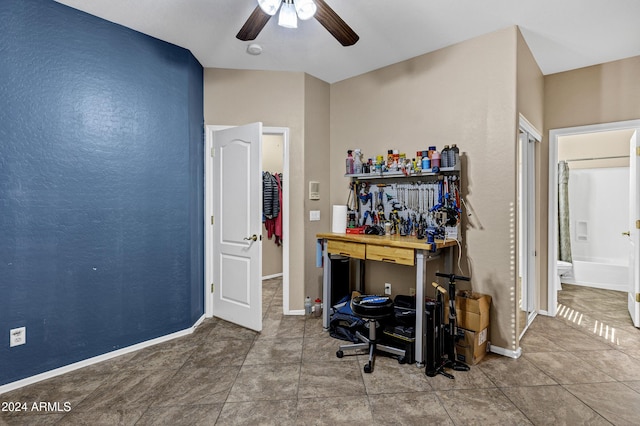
x=256 y=22
x=335 y=25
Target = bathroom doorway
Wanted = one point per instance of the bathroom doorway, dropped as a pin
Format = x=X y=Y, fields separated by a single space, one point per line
x=597 y=159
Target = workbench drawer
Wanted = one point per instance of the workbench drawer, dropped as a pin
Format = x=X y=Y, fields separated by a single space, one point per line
x=402 y=256
x=355 y=250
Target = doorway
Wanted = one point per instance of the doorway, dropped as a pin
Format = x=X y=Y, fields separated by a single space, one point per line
x=527 y=288
x=585 y=229
x=280 y=134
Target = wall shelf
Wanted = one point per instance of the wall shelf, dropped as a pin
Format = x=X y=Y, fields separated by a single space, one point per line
x=383 y=175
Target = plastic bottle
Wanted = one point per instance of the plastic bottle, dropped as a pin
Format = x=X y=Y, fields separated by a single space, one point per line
x=307 y=306
x=418 y=160
x=357 y=162
x=426 y=160
x=454 y=154
x=317 y=307
x=444 y=157
x=435 y=159
x=432 y=149
x=389 y=158
x=349 y=162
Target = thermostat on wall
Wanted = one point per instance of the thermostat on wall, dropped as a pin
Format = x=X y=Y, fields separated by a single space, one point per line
x=314 y=190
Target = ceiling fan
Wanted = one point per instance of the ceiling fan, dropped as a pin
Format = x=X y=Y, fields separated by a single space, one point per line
x=290 y=11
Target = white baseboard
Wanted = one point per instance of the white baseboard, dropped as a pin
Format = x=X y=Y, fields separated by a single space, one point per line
x=96 y=359
x=296 y=312
x=506 y=352
x=268 y=277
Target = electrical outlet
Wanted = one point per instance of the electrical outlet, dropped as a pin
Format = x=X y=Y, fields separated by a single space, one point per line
x=412 y=291
x=387 y=288
x=17 y=336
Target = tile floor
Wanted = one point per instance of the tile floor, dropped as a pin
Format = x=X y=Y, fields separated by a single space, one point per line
x=582 y=367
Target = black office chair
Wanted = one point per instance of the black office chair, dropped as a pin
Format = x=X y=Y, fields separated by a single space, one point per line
x=371 y=309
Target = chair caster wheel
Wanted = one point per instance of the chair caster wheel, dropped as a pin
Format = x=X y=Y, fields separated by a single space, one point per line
x=367 y=368
x=339 y=354
x=402 y=360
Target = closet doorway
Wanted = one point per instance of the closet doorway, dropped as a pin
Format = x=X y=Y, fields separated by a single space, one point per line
x=527 y=288
x=270 y=136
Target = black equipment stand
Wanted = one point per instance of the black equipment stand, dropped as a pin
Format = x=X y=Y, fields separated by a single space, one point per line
x=441 y=337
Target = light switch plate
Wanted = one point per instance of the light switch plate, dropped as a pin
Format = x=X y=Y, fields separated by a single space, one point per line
x=314 y=215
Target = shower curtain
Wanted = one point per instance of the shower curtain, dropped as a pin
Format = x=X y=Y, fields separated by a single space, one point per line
x=564 y=236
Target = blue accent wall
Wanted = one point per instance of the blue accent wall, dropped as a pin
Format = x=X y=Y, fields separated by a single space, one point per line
x=101 y=187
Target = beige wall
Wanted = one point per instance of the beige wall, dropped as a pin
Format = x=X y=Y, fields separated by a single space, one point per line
x=577 y=149
x=235 y=97
x=272 y=151
x=530 y=86
x=598 y=94
x=316 y=160
x=463 y=94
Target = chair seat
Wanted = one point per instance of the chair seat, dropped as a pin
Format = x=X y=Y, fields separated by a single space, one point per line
x=372 y=307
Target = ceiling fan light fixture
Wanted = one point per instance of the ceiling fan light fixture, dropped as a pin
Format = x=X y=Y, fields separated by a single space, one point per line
x=254 y=49
x=305 y=8
x=270 y=7
x=287 y=17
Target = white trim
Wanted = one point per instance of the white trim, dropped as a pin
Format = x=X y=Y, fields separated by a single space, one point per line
x=552 y=236
x=208 y=205
x=529 y=128
x=268 y=277
x=526 y=235
x=97 y=359
x=529 y=321
x=506 y=352
x=296 y=312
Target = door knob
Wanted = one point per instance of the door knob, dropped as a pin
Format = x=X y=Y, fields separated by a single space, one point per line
x=628 y=234
x=254 y=237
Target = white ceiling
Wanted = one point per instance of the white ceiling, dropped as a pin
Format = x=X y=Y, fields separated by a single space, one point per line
x=562 y=34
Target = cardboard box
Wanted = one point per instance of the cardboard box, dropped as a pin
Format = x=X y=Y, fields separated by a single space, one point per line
x=472 y=310
x=472 y=347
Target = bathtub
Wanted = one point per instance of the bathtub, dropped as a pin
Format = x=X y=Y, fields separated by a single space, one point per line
x=608 y=276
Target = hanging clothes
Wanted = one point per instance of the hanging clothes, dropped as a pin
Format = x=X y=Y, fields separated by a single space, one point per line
x=278 y=227
x=271 y=205
x=270 y=200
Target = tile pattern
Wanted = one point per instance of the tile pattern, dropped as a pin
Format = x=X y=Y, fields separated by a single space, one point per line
x=582 y=367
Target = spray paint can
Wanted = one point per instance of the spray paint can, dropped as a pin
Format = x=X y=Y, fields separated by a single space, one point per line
x=454 y=155
x=435 y=159
x=444 y=157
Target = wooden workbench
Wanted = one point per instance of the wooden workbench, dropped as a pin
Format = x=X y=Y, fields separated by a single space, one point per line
x=408 y=251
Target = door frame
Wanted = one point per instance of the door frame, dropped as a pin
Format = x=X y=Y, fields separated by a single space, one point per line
x=552 y=249
x=528 y=201
x=208 y=212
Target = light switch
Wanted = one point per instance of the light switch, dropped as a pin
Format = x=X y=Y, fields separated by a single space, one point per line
x=314 y=215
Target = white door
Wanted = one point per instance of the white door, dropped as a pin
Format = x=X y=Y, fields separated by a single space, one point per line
x=634 y=231
x=237 y=220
